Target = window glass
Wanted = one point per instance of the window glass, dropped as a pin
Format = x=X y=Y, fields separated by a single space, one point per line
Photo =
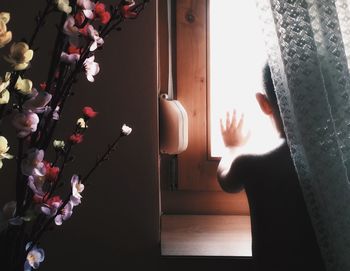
x=237 y=55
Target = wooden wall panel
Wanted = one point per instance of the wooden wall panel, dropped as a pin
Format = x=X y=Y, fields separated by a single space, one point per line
x=195 y=172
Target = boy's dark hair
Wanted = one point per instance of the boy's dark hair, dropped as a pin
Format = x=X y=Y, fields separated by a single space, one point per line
x=269 y=87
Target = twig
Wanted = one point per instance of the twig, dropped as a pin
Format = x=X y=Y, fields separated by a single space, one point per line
x=49 y=120
x=19 y=182
x=65 y=158
x=20 y=188
x=2 y=111
x=48 y=223
x=104 y=157
x=40 y=22
x=59 y=44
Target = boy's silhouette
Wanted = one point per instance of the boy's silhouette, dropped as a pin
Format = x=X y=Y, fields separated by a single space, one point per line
x=282 y=235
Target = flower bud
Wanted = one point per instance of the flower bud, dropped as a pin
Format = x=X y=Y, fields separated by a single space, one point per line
x=126 y=130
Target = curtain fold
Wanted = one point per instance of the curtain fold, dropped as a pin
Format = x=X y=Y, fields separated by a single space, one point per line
x=308 y=45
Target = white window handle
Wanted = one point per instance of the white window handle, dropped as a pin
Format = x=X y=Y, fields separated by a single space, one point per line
x=173 y=124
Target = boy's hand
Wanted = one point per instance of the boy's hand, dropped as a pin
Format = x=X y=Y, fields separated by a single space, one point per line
x=232 y=134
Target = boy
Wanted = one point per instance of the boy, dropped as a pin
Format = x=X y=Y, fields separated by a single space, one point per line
x=282 y=235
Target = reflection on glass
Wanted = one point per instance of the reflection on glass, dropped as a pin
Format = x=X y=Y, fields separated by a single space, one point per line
x=237 y=55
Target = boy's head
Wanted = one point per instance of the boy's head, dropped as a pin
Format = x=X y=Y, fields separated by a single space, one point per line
x=268 y=100
x=269 y=88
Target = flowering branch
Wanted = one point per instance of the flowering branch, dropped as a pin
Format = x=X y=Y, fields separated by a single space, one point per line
x=82 y=30
x=40 y=21
x=125 y=131
x=111 y=148
x=126 y=9
x=123 y=12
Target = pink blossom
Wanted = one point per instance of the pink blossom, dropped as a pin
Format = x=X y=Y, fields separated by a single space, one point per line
x=36 y=185
x=33 y=164
x=92 y=68
x=77 y=188
x=86 y=4
x=25 y=123
x=51 y=206
x=64 y=214
x=38 y=101
x=94 y=35
x=34 y=258
x=70 y=29
x=55 y=114
x=87 y=7
x=69 y=58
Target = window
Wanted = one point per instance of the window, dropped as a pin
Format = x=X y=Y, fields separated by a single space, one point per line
x=194 y=171
x=236 y=57
x=218 y=61
x=212 y=49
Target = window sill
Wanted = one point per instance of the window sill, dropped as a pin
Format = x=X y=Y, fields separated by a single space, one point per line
x=206 y=235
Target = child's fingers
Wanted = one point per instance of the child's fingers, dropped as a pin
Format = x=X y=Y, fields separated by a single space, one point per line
x=222 y=126
x=228 y=122
x=240 y=123
x=233 y=121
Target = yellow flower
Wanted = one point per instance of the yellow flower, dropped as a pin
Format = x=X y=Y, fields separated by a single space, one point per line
x=4 y=97
x=4 y=93
x=24 y=86
x=63 y=5
x=20 y=56
x=58 y=144
x=5 y=17
x=3 y=150
x=82 y=124
x=5 y=36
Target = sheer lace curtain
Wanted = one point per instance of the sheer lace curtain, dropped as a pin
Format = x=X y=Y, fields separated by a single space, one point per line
x=308 y=43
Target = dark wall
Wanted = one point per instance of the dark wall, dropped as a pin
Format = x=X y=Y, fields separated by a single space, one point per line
x=119 y=214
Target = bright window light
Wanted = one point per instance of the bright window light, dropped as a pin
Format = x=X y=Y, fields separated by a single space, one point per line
x=237 y=55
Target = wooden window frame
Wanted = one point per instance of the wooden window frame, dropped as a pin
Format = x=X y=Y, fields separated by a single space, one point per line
x=198 y=191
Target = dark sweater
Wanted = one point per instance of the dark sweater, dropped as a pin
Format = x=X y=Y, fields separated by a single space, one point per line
x=282 y=235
